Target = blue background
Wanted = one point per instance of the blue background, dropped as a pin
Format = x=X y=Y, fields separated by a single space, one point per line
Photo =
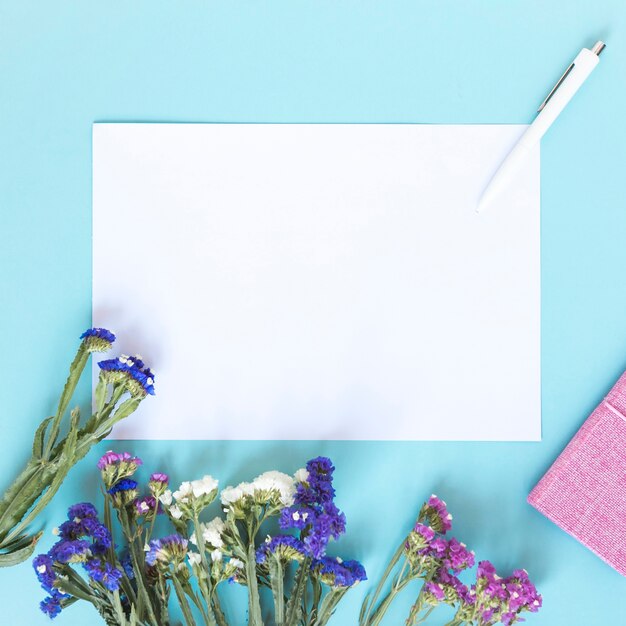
x=66 y=64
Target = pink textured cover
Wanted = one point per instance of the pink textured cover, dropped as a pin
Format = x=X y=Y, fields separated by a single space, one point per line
x=584 y=492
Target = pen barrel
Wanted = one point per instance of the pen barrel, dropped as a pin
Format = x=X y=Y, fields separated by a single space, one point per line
x=583 y=65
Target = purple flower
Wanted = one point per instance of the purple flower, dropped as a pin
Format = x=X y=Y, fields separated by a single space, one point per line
x=158 y=484
x=458 y=557
x=116 y=459
x=130 y=371
x=115 y=466
x=437 y=515
x=105 y=573
x=147 y=505
x=337 y=573
x=435 y=590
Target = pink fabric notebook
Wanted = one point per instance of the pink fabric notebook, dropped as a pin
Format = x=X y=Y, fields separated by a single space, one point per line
x=584 y=492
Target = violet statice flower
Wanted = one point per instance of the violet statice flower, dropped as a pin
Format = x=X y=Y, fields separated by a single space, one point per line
x=116 y=466
x=337 y=573
x=170 y=549
x=147 y=506
x=285 y=547
x=103 y=572
x=158 y=484
x=98 y=339
x=503 y=599
x=131 y=372
x=434 y=592
x=436 y=514
x=457 y=557
x=314 y=512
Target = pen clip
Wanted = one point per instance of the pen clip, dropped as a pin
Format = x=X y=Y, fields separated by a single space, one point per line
x=558 y=84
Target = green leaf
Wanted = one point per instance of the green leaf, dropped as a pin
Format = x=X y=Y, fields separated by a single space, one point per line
x=18 y=552
x=59 y=471
x=40 y=435
x=100 y=394
x=294 y=607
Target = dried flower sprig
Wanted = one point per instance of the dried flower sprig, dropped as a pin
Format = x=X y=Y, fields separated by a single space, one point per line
x=120 y=390
x=427 y=554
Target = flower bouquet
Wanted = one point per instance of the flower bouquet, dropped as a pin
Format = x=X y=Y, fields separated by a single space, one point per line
x=150 y=555
x=272 y=534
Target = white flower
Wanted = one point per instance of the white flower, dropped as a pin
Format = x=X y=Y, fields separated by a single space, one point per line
x=236 y=563
x=232 y=494
x=203 y=486
x=194 y=558
x=55 y=531
x=276 y=481
x=166 y=497
x=183 y=492
x=175 y=512
x=41 y=569
x=302 y=475
x=216 y=556
x=212 y=532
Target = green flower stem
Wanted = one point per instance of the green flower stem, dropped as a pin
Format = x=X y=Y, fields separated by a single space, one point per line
x=379 y=613
x=277 y=585
x=255 y=617
x=182 y=600
x=329 y=604
x=204 y=582
x=219 y=614
x=139 y=566
x=365 y=615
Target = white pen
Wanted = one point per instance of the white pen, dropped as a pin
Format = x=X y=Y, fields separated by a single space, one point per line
x=571 y=81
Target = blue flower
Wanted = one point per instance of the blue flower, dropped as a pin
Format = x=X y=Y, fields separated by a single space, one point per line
x=70 y=551
x=44 y=569
x=83 y=522
x=126 y=484
x=284 y=546
x=314 y=512
x=127 y=566
x=104 y=572
x=170 y=549
x=98 y=339
x=51 y=606
x=130 y=371
x=338 y=573
x=123 y=492
x=81 y=511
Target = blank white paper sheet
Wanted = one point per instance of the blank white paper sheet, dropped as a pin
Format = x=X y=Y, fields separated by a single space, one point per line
x=320 y=281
